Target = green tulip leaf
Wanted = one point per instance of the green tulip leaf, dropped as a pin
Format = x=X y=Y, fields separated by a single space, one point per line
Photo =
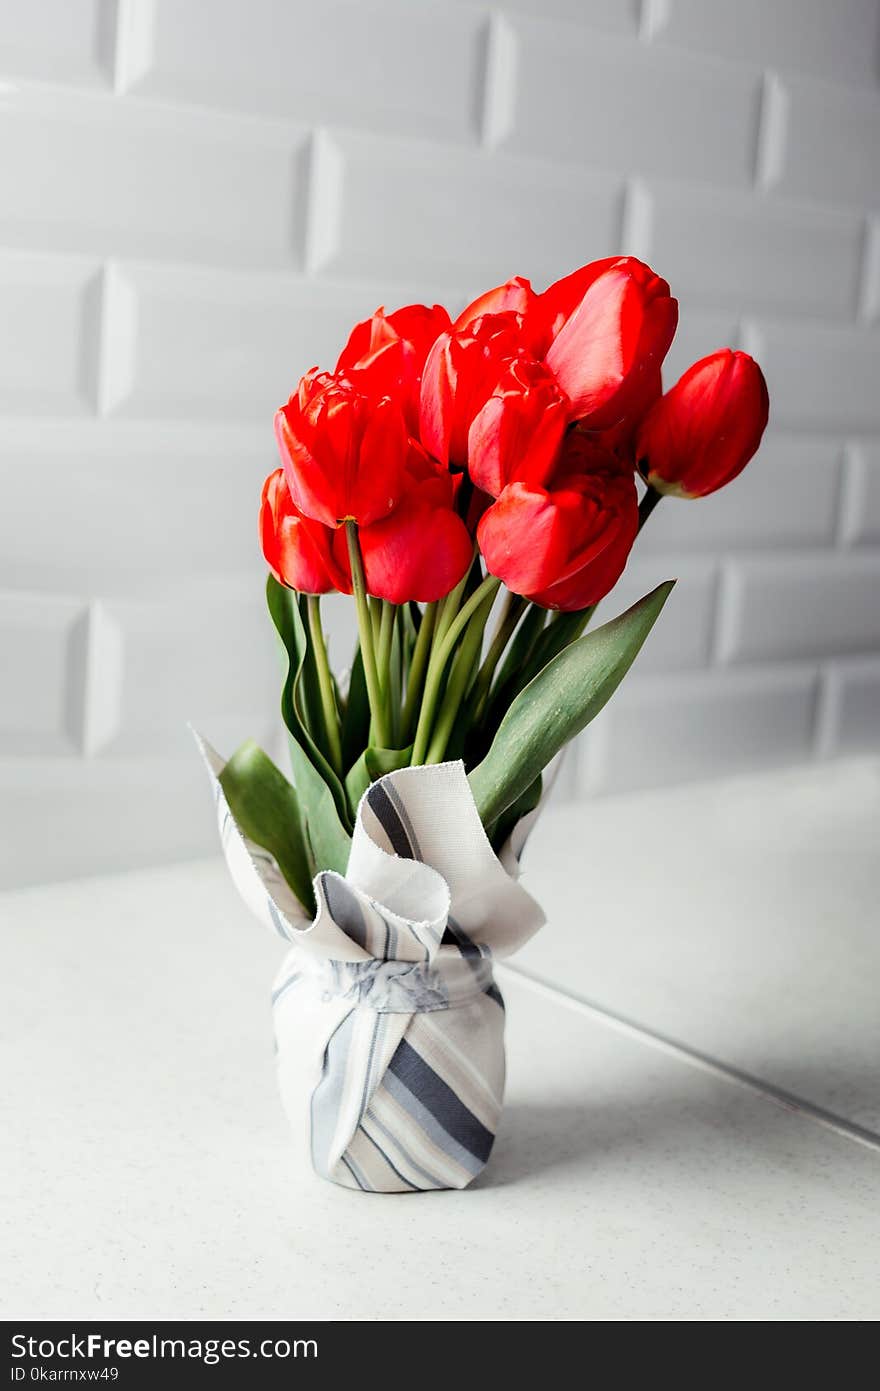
x=267 y=810
x=321 y=794
x=372 y=764
x=558 y=703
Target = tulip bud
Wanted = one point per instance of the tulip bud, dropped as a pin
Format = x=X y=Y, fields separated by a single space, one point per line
x=609 y=327
x=704 y=431
x=564 y=546
x=516 y=435
x=424 y=548
x=386 y=353
x=462 y=370
x=344 y=452
x=298 y=551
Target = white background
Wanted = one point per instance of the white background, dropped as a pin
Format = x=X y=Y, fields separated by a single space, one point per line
x=198 y=199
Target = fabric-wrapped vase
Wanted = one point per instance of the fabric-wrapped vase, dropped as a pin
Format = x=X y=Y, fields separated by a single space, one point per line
x=389 y=1026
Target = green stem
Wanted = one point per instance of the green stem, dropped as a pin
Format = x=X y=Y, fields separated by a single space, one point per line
x=514 y=608
x=460 y=680
x=365 y=628
x=418 y=667
x=383 y=646
x=439 y=658
x=647 y=504
x=325 y=684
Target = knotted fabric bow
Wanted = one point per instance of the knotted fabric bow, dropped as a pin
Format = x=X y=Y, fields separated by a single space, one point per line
x=389 y=1025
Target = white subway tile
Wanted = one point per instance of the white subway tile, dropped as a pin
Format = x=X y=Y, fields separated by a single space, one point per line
x=205 y=652
x=836 y=40
x=455 y=217
x=787 y=496
x=611 y=16
x=48 y=334
x=682 y=636
x=861 y=508
x=699 y=333
x=76 y=817
x=852 y=723
x=98 y=175
x=40 y=638
x=678 y=728
x=225 y=346
x=832 y=134
x=59 y=41
x=617 y=104
x=820 y=377
x=753 y=252
x=128 y=505
x=809 y=604
x=388 y=66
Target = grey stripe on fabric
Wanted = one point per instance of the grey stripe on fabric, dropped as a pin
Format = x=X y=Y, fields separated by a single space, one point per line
x=432 y=1127
x=397 y=801
x=375 y=1143
x=277 y=921
x=389 y=819
x=431 y=1179
x=344 y=909
x=378 y=1027
x=327 y=1096
x=291 y=980
x=442 y=1102
x=472 y=954
x=362 y=1186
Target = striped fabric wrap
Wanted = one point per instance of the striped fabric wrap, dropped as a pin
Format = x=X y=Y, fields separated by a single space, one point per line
x=389 y=1026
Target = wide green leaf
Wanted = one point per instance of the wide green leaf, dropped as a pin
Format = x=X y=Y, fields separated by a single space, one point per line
x=321 y=794
x=267 y=810
x=558 y=703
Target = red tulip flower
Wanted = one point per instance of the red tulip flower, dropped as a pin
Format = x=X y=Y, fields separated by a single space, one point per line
x=516 y=296
x=299 y=551
x=344 y=452
x=704 y=431
x=386 y=353
x=462 y=370
x=424 y=548
x=608 y=328
x=515 y=436
x=566 y=545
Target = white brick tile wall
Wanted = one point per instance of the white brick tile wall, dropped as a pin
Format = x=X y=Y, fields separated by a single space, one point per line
x=687 y=642
x=39 y=637
x=678 y=728
x=391 y=65
x=194 y=212
x=757 y=253
x=48 y=334
x=861 y=507
x=231 y=674
x=791 y=499
x=851 y=721
x=458 y=217
x=837 y=39
x=830 y=136
x=59 y=41
x=576 y=100
x=811 y=604
x=821 y=378
x=86 y=174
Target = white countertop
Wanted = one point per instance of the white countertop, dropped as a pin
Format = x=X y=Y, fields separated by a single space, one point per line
x=710 y=952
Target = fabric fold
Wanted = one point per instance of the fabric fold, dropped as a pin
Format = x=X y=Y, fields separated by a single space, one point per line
x=389 y=1025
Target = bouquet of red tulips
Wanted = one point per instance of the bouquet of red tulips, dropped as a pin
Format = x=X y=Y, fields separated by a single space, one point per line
x=473 y=485
x=448 y=471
